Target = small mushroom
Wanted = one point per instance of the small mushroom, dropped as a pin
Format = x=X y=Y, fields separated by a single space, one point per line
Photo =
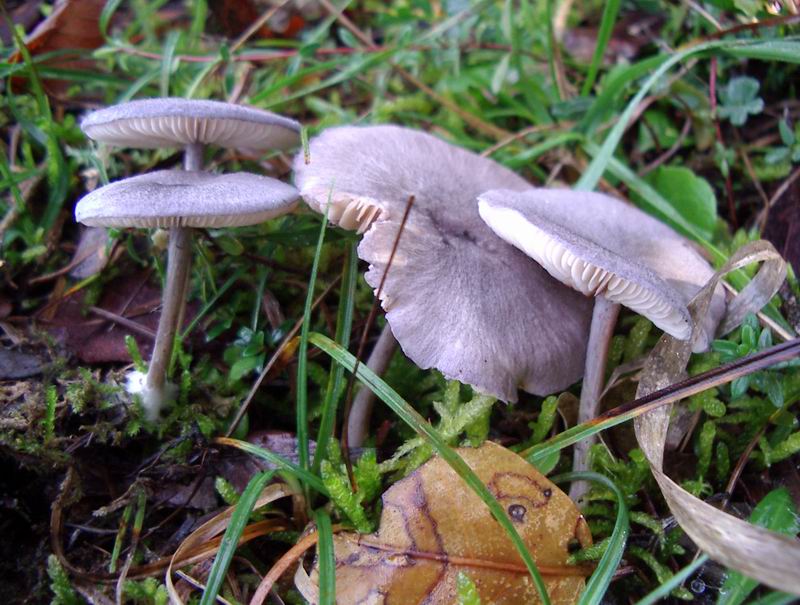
x=609 y=250
x=457 y=297
x=181 y=200
x=172 y=122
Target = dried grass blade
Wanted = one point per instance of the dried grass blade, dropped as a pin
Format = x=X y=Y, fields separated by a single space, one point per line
x=766 y=556
x=213 y=527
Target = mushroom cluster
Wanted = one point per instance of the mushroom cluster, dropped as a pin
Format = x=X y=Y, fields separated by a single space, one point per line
x=181 y=200
x=461 y=298
x=457 y=297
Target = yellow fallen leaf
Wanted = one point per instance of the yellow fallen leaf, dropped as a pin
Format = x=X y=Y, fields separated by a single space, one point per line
x=433 y=526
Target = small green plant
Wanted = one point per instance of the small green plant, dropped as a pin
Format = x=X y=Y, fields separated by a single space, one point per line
x=368 y=480
x=739 y=99
x=63 y=593
x=790 y=150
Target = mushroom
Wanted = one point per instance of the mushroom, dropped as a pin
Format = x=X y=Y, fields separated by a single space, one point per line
x=193 y=200
x=457 y=297
x=181 y=200
x=173 y=122
x=610 y=250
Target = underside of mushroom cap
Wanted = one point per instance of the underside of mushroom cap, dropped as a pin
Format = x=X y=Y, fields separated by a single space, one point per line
x=179 y=198
x=172 y=122
x=602 y=246
x=458 y=298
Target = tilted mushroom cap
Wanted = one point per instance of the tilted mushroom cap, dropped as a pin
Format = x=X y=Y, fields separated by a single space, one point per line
x=171 y=122
x=457 y=297
x=179 y=198
x=602 y=246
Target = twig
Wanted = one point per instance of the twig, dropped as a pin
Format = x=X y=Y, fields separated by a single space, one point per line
x=773 y=22
x=256 y=25
x=712 y=93
x=281 y=55
x=664 y=157
x=289 y=557
x=521 y=135
x=123 y=321
x=751 y=172
x=762 y=217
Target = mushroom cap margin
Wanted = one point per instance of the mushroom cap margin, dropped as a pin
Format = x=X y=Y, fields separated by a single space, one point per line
x=602 y=246
x=179 y=198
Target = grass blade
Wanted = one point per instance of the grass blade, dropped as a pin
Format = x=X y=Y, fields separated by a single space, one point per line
x=302 y=355
x=607 y=23
x=326 y=559
x=344 y=323
x=410 y=416
x=676 y=580
x=279 y=461
x=696 y=384
x=742 y=48
x=233 y=532
x=601 y=578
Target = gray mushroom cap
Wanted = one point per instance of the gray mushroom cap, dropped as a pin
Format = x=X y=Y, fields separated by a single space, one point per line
x=179 y=198
x=602 y=246
x=457 y=297
x=172 y=122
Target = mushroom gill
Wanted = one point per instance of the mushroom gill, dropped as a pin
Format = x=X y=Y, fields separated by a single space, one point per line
x=346 y=210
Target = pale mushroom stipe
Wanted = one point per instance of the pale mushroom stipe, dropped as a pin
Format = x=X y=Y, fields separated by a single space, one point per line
x=609 y=250
x=182 y=200
x=457 y=297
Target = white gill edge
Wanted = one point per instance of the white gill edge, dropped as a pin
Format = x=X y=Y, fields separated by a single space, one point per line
x=582 y=275
x=347 y=210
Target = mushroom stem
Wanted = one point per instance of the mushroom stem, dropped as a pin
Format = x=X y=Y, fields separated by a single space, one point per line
x=193 y=157
x=604 y=319
x=179 y=264
x=192 y=161
x=361 y=412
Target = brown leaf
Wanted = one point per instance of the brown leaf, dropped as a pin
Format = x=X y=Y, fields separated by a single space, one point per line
x=91 y=255
x=96 y=334
x=434 y=526
x=72 y=25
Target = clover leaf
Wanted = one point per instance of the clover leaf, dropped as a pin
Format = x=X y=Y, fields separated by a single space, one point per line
x=738 y=99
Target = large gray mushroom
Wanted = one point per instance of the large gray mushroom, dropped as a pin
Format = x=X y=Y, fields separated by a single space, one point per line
x=457 y=297
x=183 y=200
x=609 y=250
